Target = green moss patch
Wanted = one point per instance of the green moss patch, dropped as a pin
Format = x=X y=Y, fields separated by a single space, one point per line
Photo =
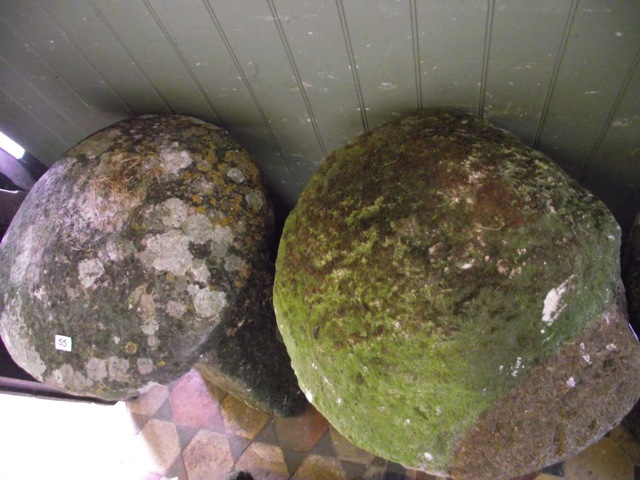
x=412 y=278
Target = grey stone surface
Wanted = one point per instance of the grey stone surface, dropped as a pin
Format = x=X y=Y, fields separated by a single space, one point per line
x=452 y=301
x=132 y=255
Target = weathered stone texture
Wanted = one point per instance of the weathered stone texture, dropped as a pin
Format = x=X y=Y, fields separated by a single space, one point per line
x=139 y=245
x=451 y=300
x=249 y=360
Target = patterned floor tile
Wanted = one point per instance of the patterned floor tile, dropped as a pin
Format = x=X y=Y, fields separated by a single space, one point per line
x=375 y=469
x=242 y=420
x=324 y=446
x=268 y=433
x=603 y=461
x=177 y=470
x=557 y=470
x=628 y=443
x=263 y=461
x=301 y=432
x=528 y=476
x=159 y=441
x=193 y=404
x=172 y=433
x=396 y=469
x=147 y=403
x=546 y=476
x=165 y=412
x=138 y=422
x=207 y=456
x=347 y=450
x=293 y=459
x=316 y=467
x=237 y=445
x=352 y=469
x=185 y=434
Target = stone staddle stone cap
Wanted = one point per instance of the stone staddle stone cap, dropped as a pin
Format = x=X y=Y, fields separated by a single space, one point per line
x=129 y=252
x=451 y=301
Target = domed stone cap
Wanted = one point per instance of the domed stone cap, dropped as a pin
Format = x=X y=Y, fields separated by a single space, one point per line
x=130 y=254
x=451 y=301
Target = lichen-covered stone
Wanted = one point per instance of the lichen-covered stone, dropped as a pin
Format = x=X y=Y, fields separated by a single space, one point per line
x=140 y=246
x=451 y=300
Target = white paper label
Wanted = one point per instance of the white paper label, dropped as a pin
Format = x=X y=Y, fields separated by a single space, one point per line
x=63 y=343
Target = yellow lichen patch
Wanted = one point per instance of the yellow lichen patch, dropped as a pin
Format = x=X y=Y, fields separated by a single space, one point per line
x=196 y=198
x=131 y=348
x=204 y=166
x=211 y=157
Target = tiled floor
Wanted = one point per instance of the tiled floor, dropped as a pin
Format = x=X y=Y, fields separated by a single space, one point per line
x=192 y=431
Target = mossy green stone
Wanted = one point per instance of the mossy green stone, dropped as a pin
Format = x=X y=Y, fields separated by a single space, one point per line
x=431 y=267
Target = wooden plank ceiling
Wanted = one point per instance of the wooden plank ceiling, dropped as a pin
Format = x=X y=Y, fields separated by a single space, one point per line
x=293 y=79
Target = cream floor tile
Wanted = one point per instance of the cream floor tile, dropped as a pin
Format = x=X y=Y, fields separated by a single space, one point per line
x=604 y=460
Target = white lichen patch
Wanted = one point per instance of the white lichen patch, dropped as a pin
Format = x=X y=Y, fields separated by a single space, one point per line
x=97 y=143
x=175 y=309
x=66 y=378
x=503 y=266
x=221 y=240
x=553 y=304
x=173 y=162
x=199 y=271
x=199 y=229
x=89 y=271
x=145 y=366
x=116 y=250
x=255 y=199
x=585 y=356
x=175 y=212
x=150 y=327
x=24 y=267
x=571 y=382
x=147 y=312
x=207 y=303
x=517 y=368
x=236 y=175
x=96 y=369
x=118 y=369
x=612 y=347
x=40 y=294
x=233 y=263
x=167 y=252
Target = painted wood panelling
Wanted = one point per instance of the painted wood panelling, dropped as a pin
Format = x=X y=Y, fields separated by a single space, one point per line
x=295 y=79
